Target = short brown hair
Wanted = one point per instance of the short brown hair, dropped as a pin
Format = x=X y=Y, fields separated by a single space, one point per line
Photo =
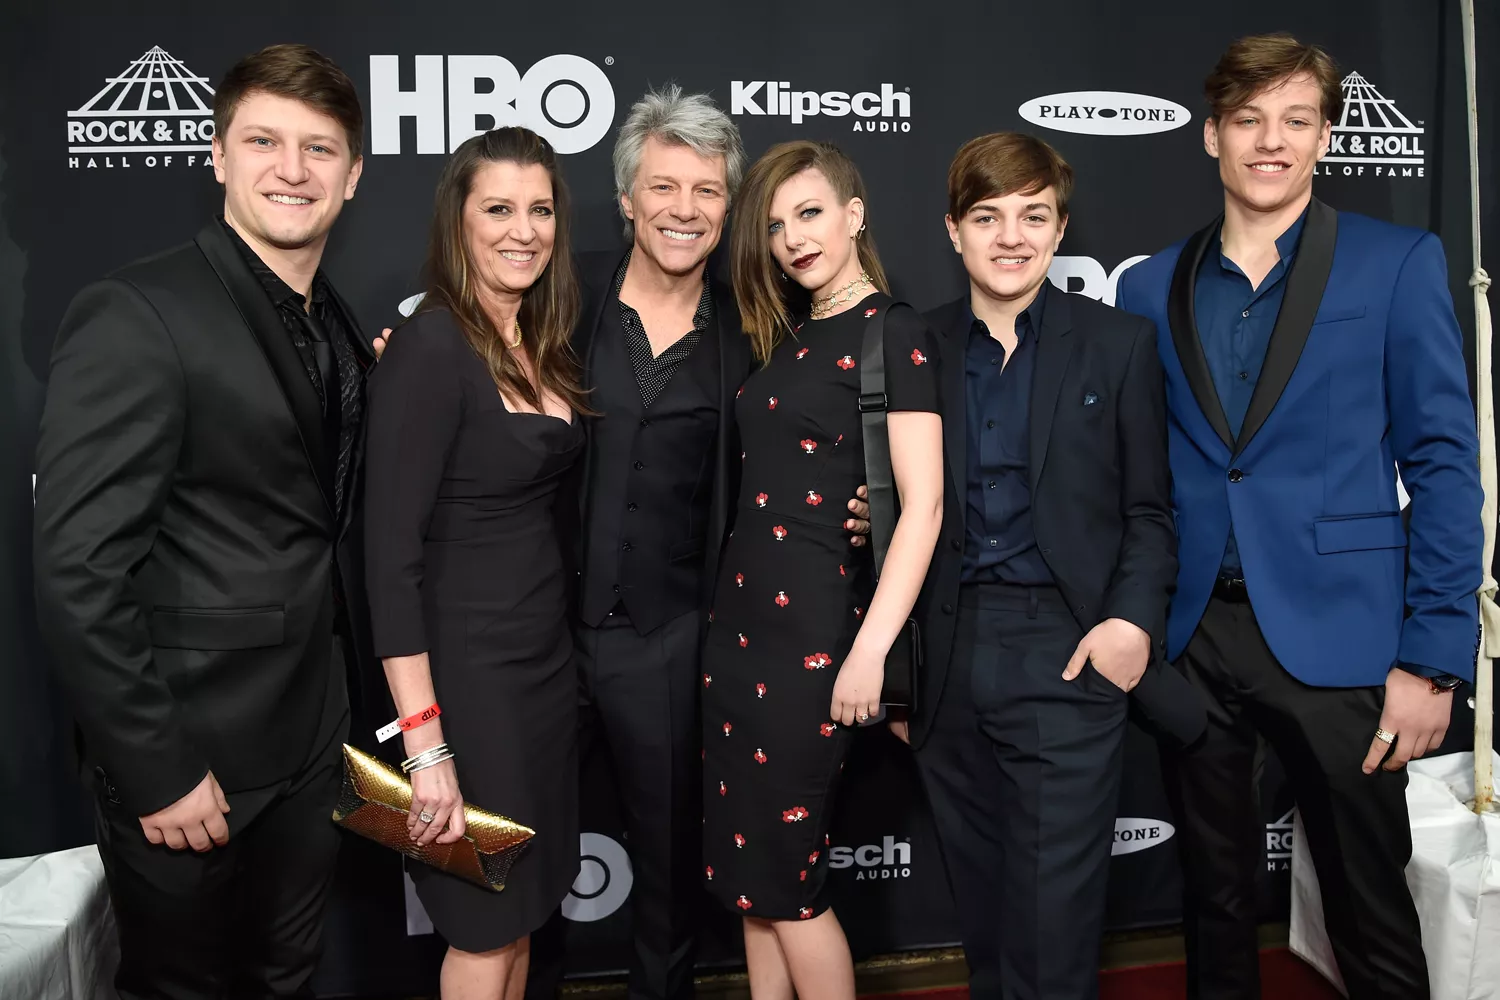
x=767 y=298
x=1002 y=163
x=301 y=74
x=1258 y=62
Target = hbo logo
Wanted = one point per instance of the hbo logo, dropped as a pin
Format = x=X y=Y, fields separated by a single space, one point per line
x=563 y=98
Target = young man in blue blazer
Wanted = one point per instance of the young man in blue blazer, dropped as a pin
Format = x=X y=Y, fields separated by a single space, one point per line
x=1309 y=354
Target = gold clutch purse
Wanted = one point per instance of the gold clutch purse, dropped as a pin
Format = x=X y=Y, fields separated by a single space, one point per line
x=375 y=800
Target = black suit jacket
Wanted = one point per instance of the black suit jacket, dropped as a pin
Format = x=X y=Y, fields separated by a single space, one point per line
x=1101 y=487
x=185 y=528
x=597 y=271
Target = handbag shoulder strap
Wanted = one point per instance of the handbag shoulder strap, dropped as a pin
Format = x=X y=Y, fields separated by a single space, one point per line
x=873 y=403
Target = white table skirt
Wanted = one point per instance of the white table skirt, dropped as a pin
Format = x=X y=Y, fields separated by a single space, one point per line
x=57 y=932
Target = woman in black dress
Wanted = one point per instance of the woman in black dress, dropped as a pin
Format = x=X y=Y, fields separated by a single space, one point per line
x=795 y=655
x=471 y=427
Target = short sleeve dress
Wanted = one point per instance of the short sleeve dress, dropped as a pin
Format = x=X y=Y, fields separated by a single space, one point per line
x=788 y=602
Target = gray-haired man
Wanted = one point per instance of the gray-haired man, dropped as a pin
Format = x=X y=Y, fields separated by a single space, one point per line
x=663 y=358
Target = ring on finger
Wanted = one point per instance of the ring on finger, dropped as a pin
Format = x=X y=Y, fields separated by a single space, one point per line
x=425 y=816
x=1385 y=737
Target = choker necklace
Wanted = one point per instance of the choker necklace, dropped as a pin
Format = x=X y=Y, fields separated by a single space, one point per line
x=824 y=307
x=517 y=344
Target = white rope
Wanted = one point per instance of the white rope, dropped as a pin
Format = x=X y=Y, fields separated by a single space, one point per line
x=1484 y=391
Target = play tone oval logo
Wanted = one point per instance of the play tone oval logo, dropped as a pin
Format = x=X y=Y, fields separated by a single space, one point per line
x=1105 y=112
x=1134 y=834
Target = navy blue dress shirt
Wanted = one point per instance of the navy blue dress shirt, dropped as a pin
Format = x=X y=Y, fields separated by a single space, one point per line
x=1234 y=324
x=999 y=543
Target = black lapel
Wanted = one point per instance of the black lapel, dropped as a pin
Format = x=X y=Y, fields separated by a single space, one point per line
x=601 y=287
x=260 y=316
x=733 y=369
x=364 y=352
x=1180 y=315
x=1054 y=349
x=949 y=322
x=1299 y=306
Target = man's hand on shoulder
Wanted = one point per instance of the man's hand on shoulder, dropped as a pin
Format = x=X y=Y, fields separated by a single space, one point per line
x=1118 y=649
x=196 y=819
x=380 y=342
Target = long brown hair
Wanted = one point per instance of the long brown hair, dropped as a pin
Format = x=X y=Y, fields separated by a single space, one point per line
x=549 y=308
x=767 y=298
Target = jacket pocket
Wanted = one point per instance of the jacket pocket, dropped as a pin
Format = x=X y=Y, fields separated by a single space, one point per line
x=1335 y=315
x=1352 y=532
x=690 y=549
x=218 y=628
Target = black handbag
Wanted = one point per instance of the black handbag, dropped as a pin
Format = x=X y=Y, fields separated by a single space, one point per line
x=903 y=663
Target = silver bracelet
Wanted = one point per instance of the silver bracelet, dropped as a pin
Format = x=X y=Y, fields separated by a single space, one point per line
x=431 y=763
x=411 y=763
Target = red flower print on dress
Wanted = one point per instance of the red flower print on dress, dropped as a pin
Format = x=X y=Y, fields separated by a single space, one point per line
x=760 y=756
x=709 y=871
x=760 y=690
x=723 y=790
x=739 y=579
x=812 y=858
x=846 y=362
x=771 y=403
x=760 y=499
x=809 y=445
x=802 y=354
x=805 y=913
x=828 y=728
x=740 y=392
x=707 y=679
x=797 y=328
x=739 y=840
x=742 y=903
x=917 y=357
x=802 y=875
x=841 y=570
x=813 y=498
x=825 y=840
x=859 y=612
x=743 y=641
x=796 y=814
x=727 y=728
x=817 y=661
x=779 y=532
x=870 y=312
x=781 y=599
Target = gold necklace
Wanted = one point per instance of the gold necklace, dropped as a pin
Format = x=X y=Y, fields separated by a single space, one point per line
x=517 y=344
x=825 y=306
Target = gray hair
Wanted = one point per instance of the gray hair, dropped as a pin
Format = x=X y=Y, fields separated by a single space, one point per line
x=676 y=119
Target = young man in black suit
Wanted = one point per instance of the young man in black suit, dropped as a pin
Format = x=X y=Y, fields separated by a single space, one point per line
x=1047 y=598
x=196 y=468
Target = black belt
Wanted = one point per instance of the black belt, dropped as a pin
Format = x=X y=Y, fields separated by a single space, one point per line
x=1231 y=589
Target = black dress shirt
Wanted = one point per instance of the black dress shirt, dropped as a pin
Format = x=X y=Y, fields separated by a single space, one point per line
x=654 y=371
x=999 y=543
x=292 y=307
x=1234 y=324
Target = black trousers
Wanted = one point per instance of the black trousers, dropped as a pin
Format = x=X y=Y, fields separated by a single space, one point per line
x=1022 y=769
x=1356 y=824
x=240 y=921
x=640 y=696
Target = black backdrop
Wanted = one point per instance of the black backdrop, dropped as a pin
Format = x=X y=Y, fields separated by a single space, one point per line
x=91 y=177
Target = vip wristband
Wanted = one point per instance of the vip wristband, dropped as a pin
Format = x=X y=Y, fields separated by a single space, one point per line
x=410 y=722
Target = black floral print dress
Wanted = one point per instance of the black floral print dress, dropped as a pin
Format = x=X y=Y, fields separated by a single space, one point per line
x=789 y=600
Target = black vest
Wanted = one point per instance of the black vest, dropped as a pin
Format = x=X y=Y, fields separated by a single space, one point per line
x=651 y=483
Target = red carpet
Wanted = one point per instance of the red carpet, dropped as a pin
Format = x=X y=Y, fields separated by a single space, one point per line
x=1282 y=976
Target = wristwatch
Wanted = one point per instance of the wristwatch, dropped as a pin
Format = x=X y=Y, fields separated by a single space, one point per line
x=1444 y=683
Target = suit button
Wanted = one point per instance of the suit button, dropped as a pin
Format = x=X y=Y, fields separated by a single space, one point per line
x=1046 y=552
x=1235 y=475
x=947 y=609
x=957 y=546
x=626 y=547
x=645 y=422
x=630 y=507
x=617 y=588
x=639 y=466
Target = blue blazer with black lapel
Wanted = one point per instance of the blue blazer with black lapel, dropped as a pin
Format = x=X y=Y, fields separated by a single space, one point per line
x=1364 y=372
